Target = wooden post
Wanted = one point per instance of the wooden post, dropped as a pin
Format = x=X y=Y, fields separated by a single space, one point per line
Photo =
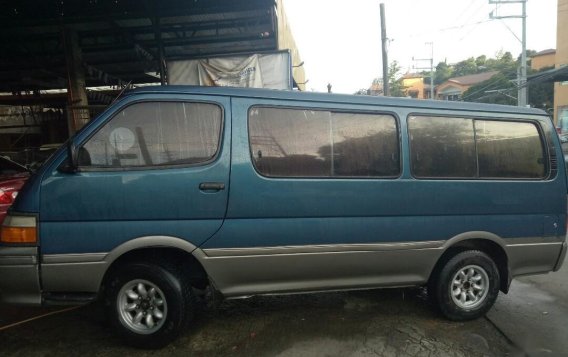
x=76 y=85
x=384 y=39
x=161 y=52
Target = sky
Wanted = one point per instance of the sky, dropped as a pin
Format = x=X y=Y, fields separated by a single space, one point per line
x=340 y=41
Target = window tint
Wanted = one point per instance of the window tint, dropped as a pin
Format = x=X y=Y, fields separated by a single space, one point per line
x=317 y=143
x=509 y=149
x=156 y=133
x=442 y=147
x=365 y=145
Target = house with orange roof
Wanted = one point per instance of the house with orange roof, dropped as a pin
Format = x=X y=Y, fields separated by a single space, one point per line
x=543 y=59
x=453 y=88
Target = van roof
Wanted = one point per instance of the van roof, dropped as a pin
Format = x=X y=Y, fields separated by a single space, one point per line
x=336 y=98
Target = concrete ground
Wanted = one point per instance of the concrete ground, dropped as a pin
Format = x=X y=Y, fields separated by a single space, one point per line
x=534 y=315
x=531 y=320
x=393 y=322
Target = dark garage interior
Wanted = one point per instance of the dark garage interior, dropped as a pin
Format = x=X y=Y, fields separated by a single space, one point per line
x=63 y=62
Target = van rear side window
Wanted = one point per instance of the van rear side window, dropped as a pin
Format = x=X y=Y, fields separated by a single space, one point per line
x=288 y=142
x=509 y=149
x=473 y=148
x=156 y=133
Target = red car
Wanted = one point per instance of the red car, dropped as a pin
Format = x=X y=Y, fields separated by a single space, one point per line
x=12 y=178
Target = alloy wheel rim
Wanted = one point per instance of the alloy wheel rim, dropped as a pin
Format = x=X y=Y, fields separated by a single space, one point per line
x=469 y=287
x=142 y=306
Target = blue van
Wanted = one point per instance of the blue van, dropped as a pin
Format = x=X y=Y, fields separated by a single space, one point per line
x=174 y=190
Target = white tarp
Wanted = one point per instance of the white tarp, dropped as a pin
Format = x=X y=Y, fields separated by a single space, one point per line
x=270 y=70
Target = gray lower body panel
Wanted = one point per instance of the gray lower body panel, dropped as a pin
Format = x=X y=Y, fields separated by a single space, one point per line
x=73 y=272
x=561 y=257
x=268 y=270
x=533 y=258
x=289 y=269
x=19 y=276
x=319 y=268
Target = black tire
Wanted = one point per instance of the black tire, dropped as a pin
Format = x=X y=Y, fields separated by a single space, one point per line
x=172 y=296
x=459 y=308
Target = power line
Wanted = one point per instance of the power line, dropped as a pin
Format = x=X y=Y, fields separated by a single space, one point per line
x=510 y=30
x=522 y=76
x=467 y=34
x=474 y=15
x=458 y=18
x=459 y=27
x=493 y=81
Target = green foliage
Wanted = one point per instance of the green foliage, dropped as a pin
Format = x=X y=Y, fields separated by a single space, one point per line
x=502 y=62
x=397 y=89
x=362 y=91
x=463 y=68
x=502 y=89
x=443 y=73
x=497 y=90
x=480 y=61
x=541 y=95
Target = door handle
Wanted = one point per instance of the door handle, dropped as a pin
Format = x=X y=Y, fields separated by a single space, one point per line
x=211 y=186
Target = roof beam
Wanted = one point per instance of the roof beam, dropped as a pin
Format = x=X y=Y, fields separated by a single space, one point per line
x=31 y=13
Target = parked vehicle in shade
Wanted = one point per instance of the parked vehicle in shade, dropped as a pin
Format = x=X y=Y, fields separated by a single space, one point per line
x=12 y=178
x=176 y=189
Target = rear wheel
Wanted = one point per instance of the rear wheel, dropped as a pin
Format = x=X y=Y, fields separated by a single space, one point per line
x=467 y=286
x=148 y=303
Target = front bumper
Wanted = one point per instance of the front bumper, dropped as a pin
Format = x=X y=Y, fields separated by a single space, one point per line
x=19 y=276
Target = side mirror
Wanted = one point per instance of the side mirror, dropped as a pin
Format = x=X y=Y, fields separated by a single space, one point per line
x=71 y=164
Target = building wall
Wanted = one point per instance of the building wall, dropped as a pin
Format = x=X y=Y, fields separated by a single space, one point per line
x=561 y=89
x=286 y=42
x=442 y=88
x=414 y=84
x=543 y=61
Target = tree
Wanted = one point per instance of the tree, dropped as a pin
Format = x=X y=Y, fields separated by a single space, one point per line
x=503 y=62
x=480 y=61
x=502 y=89
x=443 y=73
x=362 y=91
x=396 y=86
x=541 y=95
x=463 y=68
x=497 y=90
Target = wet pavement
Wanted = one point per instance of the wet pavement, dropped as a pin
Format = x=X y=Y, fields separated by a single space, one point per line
x=390 y=322
x=534 y=315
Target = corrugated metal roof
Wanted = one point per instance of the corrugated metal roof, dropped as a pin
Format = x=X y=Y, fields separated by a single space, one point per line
x=118 y=38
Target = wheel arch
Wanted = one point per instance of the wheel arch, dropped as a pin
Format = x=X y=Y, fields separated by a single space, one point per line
x=487 y=242
x=157 y=248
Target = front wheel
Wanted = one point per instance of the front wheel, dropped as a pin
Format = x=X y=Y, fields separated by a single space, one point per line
x=467 y=286
x=148 y=304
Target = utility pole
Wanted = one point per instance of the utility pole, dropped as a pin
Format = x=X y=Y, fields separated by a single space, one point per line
x=522 y=100
x=431 y=68
x=77 y=100
x=386 y=89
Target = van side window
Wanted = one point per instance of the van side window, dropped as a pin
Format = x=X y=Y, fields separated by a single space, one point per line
x=156 y=133
x=442 y=147
x=509 y=149
x=288 y=142
x=475 y=148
